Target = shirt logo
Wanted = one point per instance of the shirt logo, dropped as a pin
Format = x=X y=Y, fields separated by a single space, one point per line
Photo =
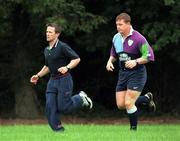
x=130 y=42
x=149 y=54
x=124 y=57
x=135 y=88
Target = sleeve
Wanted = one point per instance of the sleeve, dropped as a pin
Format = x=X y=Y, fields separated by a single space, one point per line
x=146 y=50
x=69 y=52
x=46 y=63
x=113 y=52
x=45 y=60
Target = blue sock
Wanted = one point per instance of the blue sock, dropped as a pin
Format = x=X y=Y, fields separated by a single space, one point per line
x=142 y=100
x=133 y=118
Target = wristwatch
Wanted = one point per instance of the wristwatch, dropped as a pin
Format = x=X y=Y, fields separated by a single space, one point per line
x=67 y=68
x=136 y=62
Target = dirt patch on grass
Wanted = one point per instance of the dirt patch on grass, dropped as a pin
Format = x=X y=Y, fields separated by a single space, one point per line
x=78 y=120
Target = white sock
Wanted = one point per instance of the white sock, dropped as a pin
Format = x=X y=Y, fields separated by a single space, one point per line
x=132 y=110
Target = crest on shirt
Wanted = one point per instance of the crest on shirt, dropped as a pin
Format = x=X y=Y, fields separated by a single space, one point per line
x=124 y=57
x=130 y=42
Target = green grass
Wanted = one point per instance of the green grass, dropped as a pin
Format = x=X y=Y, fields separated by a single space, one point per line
x=91 y=132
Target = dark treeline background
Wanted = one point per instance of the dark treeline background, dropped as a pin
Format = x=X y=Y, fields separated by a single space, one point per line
x=88 y=27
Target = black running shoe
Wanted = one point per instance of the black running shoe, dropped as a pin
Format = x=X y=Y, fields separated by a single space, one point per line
x=151 y=105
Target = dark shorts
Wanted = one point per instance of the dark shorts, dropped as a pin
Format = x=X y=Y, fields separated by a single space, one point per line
x=132 y=79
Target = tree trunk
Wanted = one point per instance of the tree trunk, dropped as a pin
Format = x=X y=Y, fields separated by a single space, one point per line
x=26 y=101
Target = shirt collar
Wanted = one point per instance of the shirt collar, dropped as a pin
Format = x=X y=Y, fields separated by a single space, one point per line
x=131 y=31
x=55 y=45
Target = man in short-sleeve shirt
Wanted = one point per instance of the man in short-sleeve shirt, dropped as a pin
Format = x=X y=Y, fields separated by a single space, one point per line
x=59 y=60
x=132 y=51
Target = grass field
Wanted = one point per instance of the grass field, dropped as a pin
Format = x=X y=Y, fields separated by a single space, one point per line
x=91 y=132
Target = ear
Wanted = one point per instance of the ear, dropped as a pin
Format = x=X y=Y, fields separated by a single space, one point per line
x=57 y=34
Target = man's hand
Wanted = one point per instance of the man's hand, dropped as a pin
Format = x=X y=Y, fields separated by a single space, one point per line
x=63 y=70
x=34 y=79
x=130 y=64
x=109 y=66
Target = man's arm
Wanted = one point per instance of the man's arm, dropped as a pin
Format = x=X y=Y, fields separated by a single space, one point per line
x=43 y=71
x=110 y=62
x=132 y=63
x=73 y=63
x=34 y=79
x=142 y=60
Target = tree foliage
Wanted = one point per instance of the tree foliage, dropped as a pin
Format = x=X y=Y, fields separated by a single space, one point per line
x=88 y=25
x=23 y=24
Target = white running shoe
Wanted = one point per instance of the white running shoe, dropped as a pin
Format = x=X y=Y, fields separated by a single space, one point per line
x=87 y=102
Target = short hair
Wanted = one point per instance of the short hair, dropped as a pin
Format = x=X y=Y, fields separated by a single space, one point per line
x=125 y=17
x=57 y=27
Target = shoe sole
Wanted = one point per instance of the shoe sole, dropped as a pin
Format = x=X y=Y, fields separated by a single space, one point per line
x=151 y=103
x=89 y=101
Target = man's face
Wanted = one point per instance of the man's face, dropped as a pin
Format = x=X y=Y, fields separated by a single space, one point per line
x=122 y=27
x=51 y=35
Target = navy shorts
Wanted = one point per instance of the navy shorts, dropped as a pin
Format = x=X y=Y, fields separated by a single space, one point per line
x=132 y=79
